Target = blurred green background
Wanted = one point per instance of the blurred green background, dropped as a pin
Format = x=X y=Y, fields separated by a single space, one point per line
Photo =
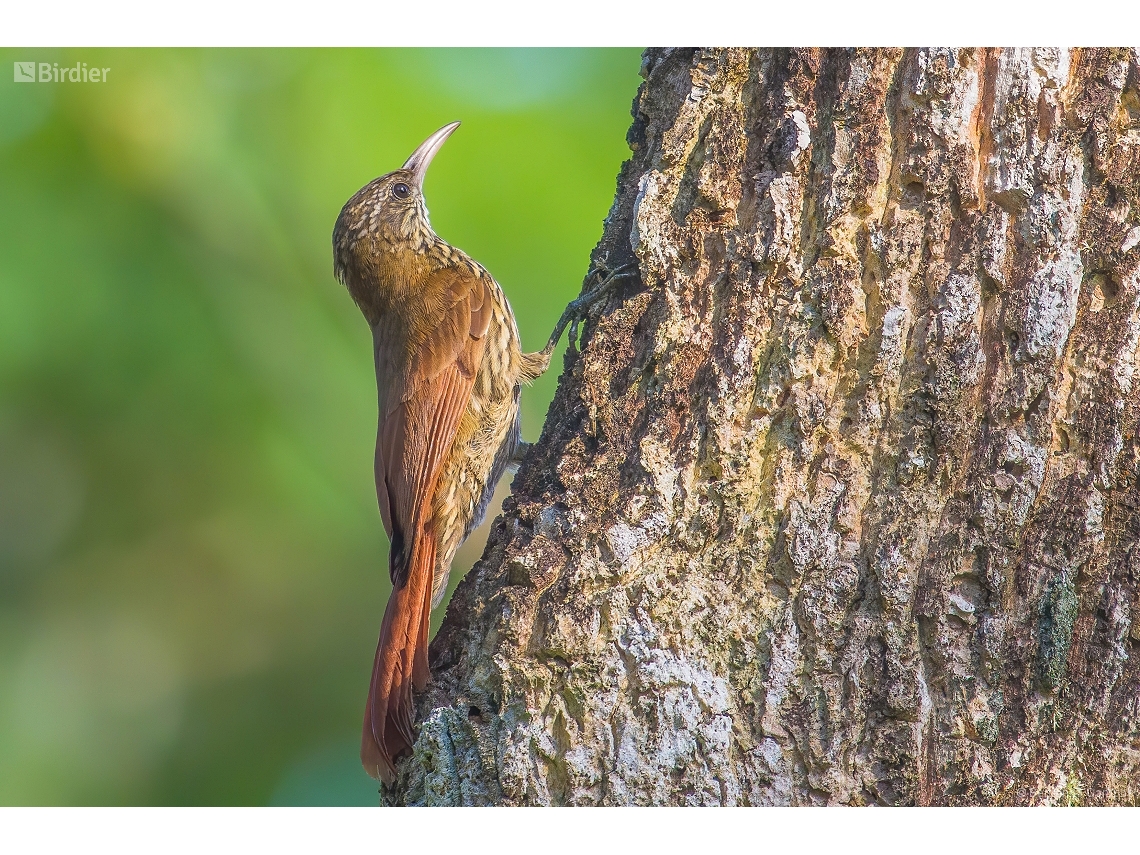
x=192 y=566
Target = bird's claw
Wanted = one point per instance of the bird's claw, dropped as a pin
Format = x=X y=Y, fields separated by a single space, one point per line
x=580 y=309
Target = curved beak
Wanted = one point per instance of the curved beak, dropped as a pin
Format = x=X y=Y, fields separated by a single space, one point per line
x=421 y=158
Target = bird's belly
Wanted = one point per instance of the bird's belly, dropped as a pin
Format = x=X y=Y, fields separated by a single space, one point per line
x=484 y=445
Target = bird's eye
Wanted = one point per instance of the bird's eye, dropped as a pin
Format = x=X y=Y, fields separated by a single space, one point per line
x=401 y=191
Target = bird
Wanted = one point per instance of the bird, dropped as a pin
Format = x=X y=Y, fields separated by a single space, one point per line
x=449 y=371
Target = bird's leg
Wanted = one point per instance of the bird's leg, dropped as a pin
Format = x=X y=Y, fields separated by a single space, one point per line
x=577 y=311
x=535 y=364
x=520 y=452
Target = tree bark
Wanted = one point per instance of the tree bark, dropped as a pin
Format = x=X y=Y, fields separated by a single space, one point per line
x=839 y=502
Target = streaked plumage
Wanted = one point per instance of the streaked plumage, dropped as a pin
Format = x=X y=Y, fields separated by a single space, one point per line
x=449 y=367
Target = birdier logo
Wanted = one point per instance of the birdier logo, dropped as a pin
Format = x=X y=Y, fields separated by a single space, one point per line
x=50 y=72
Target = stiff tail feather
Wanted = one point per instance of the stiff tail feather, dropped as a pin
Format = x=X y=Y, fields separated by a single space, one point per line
x=401 y=662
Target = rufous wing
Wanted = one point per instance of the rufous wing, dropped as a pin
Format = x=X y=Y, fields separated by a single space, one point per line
x=422 y=401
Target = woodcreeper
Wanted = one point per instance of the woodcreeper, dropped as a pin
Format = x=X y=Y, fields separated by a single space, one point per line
x=449 y=368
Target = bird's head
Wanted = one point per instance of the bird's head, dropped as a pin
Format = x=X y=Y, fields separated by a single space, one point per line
x=388 y=213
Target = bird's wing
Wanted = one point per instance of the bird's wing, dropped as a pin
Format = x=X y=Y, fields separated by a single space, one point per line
x=426 y=397
x=419 y=418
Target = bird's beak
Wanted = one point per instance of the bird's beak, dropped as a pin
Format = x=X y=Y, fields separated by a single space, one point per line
x=421 y=158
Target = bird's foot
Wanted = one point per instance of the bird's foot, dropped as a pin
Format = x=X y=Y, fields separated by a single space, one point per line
x=520 y=452
x=586 y=306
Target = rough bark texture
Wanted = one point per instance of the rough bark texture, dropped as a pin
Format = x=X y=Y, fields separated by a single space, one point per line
x=839 y=503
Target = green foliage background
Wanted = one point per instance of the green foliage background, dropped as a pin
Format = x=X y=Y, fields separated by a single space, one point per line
x=192 y=567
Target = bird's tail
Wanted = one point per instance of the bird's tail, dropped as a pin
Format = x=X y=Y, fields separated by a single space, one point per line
x=401 y=661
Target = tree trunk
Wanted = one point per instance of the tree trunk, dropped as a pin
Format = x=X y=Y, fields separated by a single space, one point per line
x=839 y=502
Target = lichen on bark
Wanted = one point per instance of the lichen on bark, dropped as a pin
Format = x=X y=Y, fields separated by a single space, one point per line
x=839 y=501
